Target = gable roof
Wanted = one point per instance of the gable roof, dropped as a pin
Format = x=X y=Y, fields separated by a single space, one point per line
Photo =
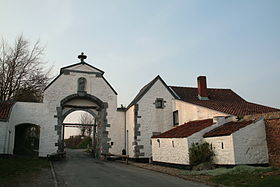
x=187 y=129
x=5 y=109
x=227 y=129
x=223 y=100
x=81 y=63
x=146 y=88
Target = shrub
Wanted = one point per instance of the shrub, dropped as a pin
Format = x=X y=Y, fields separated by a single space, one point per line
x=87 y=141
x=200 y=153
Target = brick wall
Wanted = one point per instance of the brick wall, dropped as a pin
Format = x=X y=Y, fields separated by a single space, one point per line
x=272 y=121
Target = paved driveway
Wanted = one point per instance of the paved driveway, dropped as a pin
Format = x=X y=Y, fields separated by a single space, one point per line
x=79 y=169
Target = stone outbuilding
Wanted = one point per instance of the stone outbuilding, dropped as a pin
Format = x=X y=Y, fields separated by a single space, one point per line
x=239 y=142
x=233 y=142
x=173 y=145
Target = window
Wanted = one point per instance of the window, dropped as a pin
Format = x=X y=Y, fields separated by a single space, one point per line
x=158 y=142
x=172 y=143
x=159 y=103
x=112 y=143
x=82 y=84
x=175 y=118
x=222 y=145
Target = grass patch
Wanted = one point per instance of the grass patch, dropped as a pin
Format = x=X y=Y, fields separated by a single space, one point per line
x=241 y=176
x=16 y=169
x=247 y=179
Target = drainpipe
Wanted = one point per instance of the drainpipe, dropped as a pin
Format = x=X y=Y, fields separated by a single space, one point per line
x=127 y=152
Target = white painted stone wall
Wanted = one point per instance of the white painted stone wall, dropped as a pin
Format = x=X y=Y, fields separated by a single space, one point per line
x=225 y=155
x=171 y=150
x=67 y=85
x=250 y=146
x=130 y=125
x=178 y=154
x=190 y=112
x=43 y=114
x=117 y=133
x=154 y=119
x=4 y=133
x=37 y=114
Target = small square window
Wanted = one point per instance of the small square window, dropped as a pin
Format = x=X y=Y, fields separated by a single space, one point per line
x=159 y=103
x=175 y=118
x=112 y=143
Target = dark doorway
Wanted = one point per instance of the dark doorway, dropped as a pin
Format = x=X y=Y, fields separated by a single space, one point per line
x=27 y=138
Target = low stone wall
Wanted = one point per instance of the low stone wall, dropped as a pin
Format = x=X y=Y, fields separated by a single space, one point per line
x=272 y=121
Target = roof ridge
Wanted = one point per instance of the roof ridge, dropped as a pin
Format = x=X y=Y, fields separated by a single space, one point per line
x=196 y=87
x=226 y=126
x=147 y=87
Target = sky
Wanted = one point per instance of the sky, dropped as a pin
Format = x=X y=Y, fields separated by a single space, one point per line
x=236 y=44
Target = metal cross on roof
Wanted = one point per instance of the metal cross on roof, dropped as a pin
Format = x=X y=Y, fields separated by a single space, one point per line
x=82 y=57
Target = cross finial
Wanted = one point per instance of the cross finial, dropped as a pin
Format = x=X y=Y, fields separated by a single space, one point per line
x=82 y=57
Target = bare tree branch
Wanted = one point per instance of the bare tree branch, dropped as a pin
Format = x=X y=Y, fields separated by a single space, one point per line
x=86 y=118
x=22 y=73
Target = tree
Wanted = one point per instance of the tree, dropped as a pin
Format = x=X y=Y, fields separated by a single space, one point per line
x=23 y=76
x=86 y=118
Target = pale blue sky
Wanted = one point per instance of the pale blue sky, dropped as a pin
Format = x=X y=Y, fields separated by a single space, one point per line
x=236 y=44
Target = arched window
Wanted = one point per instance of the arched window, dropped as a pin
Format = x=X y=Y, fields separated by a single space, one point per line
x=82 y=84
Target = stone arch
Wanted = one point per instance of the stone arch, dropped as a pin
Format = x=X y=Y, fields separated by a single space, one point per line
x=99 y=111
x=82 y=109
x=27 y=139
x=82 y=96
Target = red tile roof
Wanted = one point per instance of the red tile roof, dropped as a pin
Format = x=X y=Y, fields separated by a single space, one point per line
x=227 y=129
x=5 y=109
x=187 y=129
x=222 y=100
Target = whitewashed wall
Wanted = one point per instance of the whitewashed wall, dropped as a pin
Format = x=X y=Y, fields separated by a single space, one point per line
x=223 y=156
x=4 y=136
x=179 y=154
x=37 y=114
x=67 y=85
x=190 y=112
x=43 y=114
x=250 y=146
x=154 y=119
x=117 y=133
x=164 y=151
x=130 y=125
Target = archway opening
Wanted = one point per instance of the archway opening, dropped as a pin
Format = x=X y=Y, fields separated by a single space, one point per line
x=79 y=131
x=27 y=138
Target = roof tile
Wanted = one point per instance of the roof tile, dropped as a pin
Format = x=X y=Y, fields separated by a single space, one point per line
x=187 y=129
x=223 y=100
x=227 y=129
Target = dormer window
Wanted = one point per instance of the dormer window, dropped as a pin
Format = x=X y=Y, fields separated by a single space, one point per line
x=82 y=84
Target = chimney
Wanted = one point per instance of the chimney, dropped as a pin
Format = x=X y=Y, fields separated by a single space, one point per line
x=202 y=88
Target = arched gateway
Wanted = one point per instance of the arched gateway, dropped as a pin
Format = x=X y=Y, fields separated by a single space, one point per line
x=80 y=86
x=88 y=103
